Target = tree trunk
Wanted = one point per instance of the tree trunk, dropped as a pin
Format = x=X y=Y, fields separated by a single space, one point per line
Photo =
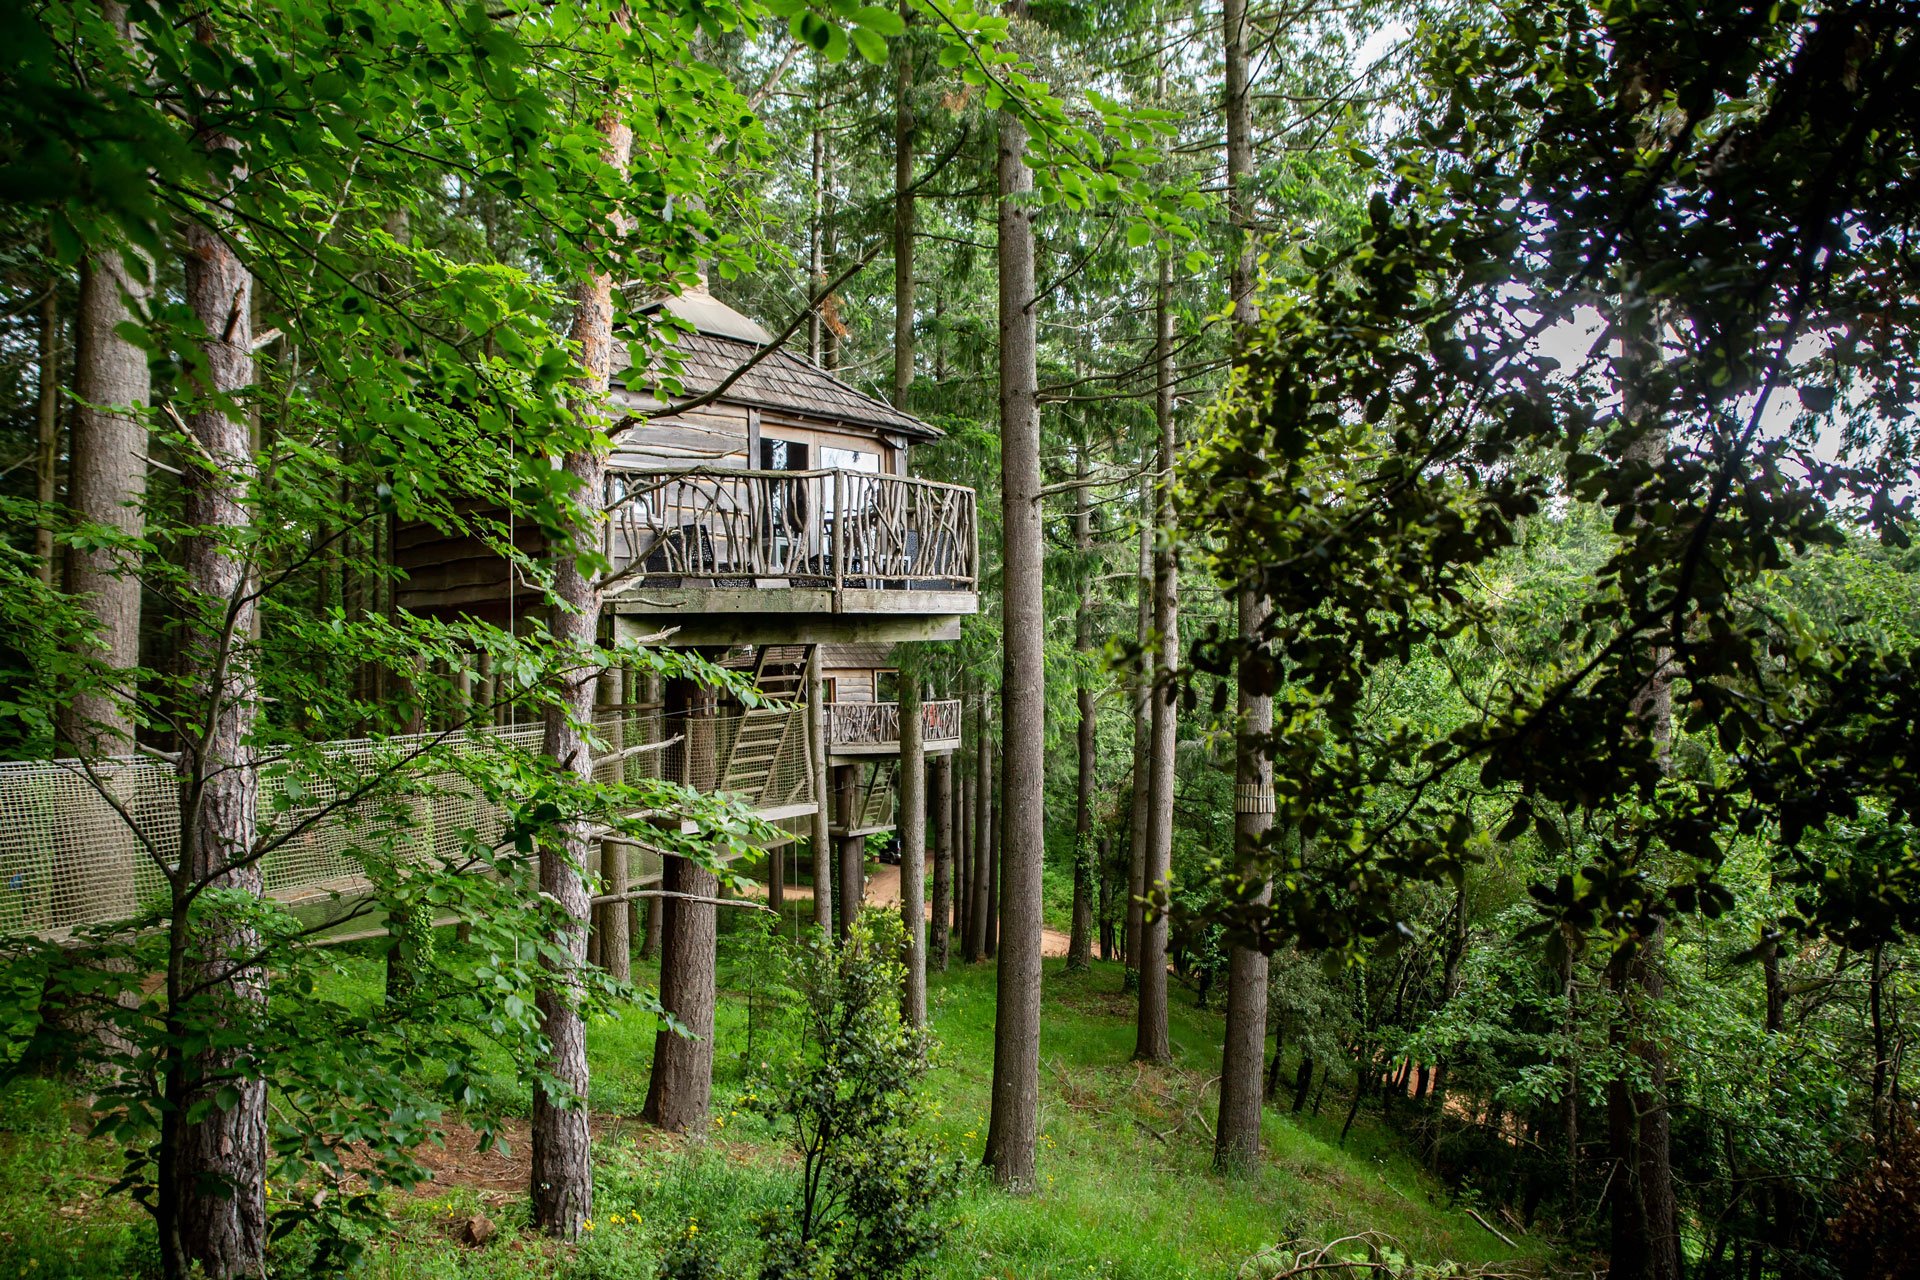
x=213 y=1156
x=562 y=1169
x=1012 y=1126
x=852 y=890
x=963 y=826
x=942 y=800
x=903 y=216
x=998 y=832
x=106 y=483
x=913 y=846
x=1104 y=910
x=1142 y=749
x=823 y=812
x=656 y=924
x=681 y=1086
x=1151 y=1043
x=615 y=918
x=982 y=835
x=1302 y=1081
x=1237 y=1139
x=1645 y=1227
x=46 y=456
x=1080 y=937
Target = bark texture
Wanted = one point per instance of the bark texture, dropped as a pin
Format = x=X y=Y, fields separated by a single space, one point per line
x=1080 y=934
x=1012 y=1124
x=106 y=483
x=680 y=1089
x=1151 y=1043
x=903 y=217
x=562 y=1169
x=46 y=454
x=213 y=1168
x=982 y=836
x=1237 y=1136
x=613 y=920
x=852 y=890
x=940 y=799
x=822 y=813
x=913 y=848
x=681 y=1086
x=1142 y=753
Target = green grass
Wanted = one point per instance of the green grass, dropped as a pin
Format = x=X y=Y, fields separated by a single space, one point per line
x=1125 y=1186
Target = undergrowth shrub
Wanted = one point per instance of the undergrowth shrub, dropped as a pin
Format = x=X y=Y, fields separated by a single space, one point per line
x=874 y=1194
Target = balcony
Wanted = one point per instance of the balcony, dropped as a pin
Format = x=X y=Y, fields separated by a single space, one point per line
x=718 y=540
x=873 y=728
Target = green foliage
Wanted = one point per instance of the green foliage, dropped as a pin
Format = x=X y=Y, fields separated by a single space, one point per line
x=873 y=1192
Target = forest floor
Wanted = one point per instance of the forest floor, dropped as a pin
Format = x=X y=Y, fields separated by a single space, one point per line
x=1125 y=1187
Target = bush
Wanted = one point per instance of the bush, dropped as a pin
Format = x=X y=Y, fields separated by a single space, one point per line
x=872 y=1190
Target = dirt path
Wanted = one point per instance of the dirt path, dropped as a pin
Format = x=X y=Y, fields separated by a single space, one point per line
x=883 y=890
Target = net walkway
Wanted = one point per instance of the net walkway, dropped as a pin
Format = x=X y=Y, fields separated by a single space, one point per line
x=83 y=842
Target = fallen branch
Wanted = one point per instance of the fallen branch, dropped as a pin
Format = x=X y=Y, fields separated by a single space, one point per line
x=1475 y=1215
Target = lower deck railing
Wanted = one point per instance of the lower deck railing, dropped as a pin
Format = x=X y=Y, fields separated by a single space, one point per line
x=877 y=724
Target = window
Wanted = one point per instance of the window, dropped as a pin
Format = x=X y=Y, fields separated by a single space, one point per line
x=782 y=455
x=849 y=459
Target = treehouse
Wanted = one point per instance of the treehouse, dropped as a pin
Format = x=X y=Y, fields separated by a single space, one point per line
x=763 y=511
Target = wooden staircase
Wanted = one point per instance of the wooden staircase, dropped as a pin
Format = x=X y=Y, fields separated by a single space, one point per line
x=779 y=672
x=876 y=801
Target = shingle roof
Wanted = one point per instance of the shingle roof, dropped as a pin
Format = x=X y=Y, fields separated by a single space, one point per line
x=782 y=380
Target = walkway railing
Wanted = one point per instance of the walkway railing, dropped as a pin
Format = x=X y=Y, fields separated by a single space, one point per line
x=722 y=527
x=81 y=842
x=874 y=724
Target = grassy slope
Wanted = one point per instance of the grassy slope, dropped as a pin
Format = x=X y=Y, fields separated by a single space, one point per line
x=1117 y=1198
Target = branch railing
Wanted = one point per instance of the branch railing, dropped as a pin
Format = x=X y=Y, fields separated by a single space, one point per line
x=871 y=724
x=732 y=527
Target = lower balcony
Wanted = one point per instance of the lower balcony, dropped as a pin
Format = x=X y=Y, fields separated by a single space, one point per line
x=873 y=728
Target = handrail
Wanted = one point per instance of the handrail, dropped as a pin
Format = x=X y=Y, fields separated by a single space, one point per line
x=878 y=723
x=834 y=528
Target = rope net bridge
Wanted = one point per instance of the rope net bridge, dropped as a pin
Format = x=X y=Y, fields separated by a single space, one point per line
x=79 y=840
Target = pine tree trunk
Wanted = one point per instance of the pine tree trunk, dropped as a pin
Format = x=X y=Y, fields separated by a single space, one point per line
x=213 y=1157
x=562 y=1170
x=1237 y=1138
x=1151 y=1042
x=982 y=835
x=913 y=846
x=941 y=944
x=1080 y=937
x=822 y=794
x=903 y=216
x=1645 y=1226
x=614 y=919
x=994 y=850
x=681 y=1085
x=1142 y=752
x=1012 y=1126
x=106 y=483
x=851 y=892
x=46 y=455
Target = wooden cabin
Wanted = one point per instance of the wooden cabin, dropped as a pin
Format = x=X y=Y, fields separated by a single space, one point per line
x=777 y=526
